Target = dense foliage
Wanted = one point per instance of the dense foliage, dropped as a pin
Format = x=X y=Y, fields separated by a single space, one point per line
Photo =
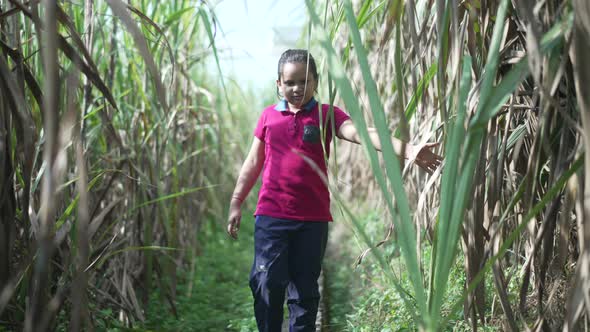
x=499 y=84
x=111 y=140
x=119 y=146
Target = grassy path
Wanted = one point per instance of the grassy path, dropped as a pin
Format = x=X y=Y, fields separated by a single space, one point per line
x=220 y=298
x=215 y=297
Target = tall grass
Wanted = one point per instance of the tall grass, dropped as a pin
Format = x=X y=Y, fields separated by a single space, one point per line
x=109 y=125
x=111 y=138
x=499 y=70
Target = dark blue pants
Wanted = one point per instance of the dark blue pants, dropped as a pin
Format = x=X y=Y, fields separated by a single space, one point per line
x=287 y=255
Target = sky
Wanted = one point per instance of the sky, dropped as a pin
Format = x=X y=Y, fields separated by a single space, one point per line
x=253 y=35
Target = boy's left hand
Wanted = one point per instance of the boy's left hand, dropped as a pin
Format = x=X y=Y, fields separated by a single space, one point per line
x=423 y=156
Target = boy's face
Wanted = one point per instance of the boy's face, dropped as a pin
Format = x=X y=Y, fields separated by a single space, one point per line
x=292 y=84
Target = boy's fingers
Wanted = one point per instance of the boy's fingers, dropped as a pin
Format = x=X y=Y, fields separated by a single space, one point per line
x=432 y=145
x=233 y=227
x=229 y=229
x=233 y=234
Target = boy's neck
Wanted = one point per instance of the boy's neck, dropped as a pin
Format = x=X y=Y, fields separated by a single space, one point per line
x=294 y=108
x=297 y=108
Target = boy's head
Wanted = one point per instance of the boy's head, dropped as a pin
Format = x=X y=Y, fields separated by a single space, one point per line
x=297 y=77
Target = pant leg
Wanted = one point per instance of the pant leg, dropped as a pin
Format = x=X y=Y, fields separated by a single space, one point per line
x=306 y=251
x=269 y=275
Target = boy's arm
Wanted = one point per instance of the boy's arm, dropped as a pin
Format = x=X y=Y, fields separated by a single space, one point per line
x=247 y=178
x=421 y=154
x=348 y=132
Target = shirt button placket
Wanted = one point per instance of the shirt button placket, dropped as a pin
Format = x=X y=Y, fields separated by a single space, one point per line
x=294 y=125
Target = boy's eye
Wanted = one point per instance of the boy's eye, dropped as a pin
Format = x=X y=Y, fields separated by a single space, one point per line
x=292 y=83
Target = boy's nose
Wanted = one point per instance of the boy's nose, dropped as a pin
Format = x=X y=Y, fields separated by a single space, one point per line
x=299 y=87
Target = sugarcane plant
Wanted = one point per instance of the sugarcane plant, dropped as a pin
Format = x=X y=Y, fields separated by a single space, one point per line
x=108 y=116
x=505 y=106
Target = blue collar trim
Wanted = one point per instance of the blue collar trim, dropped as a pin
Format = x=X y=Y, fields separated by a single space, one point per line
x=282 y=106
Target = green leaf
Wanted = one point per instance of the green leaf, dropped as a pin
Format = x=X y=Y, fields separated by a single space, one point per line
x=501 y=92
x=177 y=15
x=403 y=224
x=417 y=95
x=447 y=228
x=127 y=249
x=491 y=66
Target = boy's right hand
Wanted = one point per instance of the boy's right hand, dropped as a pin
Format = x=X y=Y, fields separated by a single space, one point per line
x=234 y=219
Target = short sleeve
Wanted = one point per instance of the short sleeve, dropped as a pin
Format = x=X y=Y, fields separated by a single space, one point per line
x=260 y=130
x=339 y=115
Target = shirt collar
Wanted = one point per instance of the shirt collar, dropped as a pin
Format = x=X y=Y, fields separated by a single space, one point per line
x=282 y=106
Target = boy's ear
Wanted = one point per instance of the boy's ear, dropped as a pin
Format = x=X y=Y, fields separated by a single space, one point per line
x=278 y=83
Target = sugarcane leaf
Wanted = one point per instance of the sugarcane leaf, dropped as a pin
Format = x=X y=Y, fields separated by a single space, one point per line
x=403 y=224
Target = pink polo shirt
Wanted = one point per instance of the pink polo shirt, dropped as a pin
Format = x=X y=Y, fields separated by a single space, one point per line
x=291 y=188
